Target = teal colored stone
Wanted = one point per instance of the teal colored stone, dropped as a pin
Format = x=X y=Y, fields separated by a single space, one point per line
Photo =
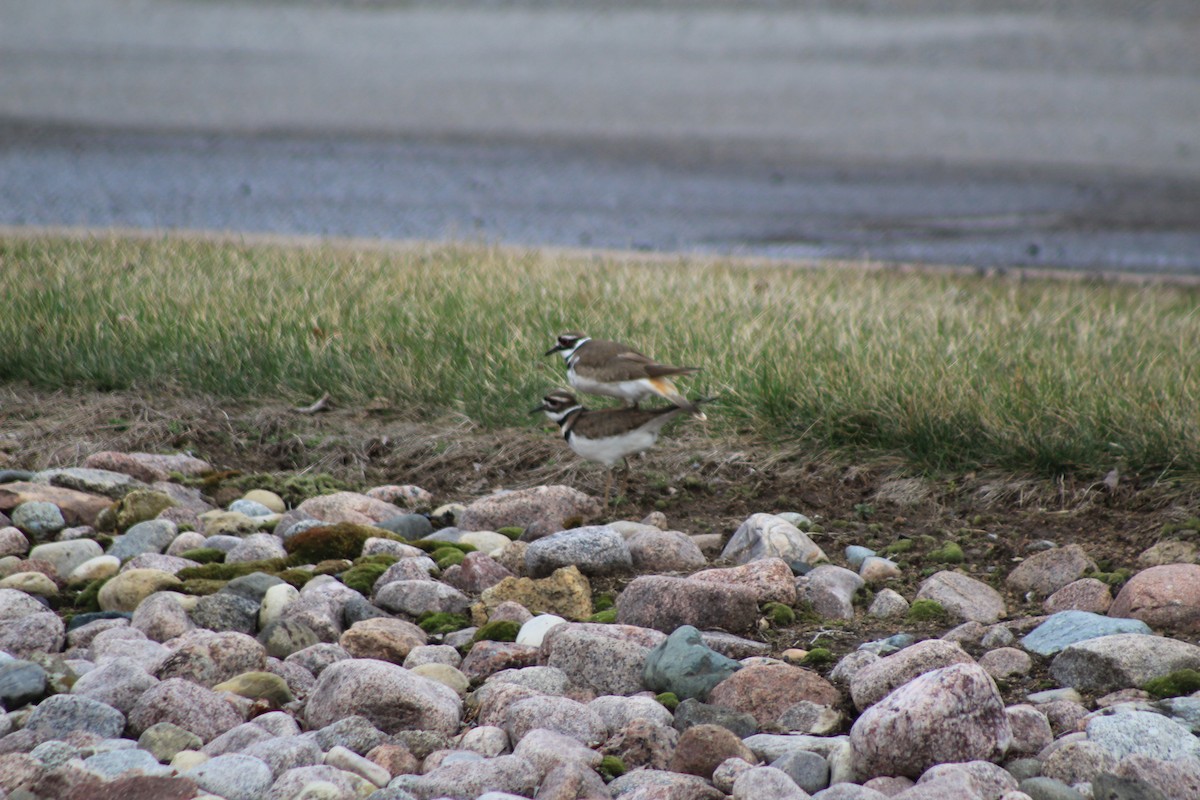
x=683 y=664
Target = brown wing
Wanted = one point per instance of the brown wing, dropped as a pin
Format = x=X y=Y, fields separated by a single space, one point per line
x=614 y=421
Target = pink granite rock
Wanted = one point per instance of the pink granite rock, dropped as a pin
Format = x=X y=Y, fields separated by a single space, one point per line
x=770 y=579
x=1086 y=594
x=1166 y=598
x=951 y=714
x=664 y=603
x=348 y=507
x=389 y=696
x=541 y=511
x=765 y=691
x=876 y=680
x=963 y=596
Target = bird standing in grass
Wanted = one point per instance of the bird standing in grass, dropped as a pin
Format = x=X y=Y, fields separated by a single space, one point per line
x=600 y=366
x=610 y=435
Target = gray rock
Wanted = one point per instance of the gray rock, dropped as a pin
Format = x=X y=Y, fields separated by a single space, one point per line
x=1068 y=627
x=39 y=519
x=236 y=739
x=419 y=568
x=292 y=784
x=389 y=696
x=1120 y=661
x=1112 y=787
x=547 y=749
x=653 y=550
x=617 y=712
x=472 y=779
x=251 y=508
x=807 y=770
x=849 y=791
x=410 y=526
x=830 y=589
x=162 y=617
x=558 y=714
x=233 y=776
x=58 y=715
x=594 y=550
x=683 y=664
x=186 y=704
x=771 y=536
x=282 y=753
x=225 y=611
x=151 y=536
x=892 y=644
x=656 y=783
x=256 y=547
x=761 y=782
x=114 y=485
x=888 y=604
x=1143 y=733
x=692 y=712
x=857 y=554
x=253 y=586
x=1184 y=710
x=1045 y=573
x=355 y=733
x=66 y=556
x=963 y=596
x=118 y=683
x=114 y=763
x=418 y=597
x=875 y=681
x=21 y=682
x=209 y=658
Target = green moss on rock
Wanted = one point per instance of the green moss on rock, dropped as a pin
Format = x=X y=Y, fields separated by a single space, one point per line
x=607 y=616
x=204 y=555
x=227 y=572
x=511 y=531
x=611 y=767
x=603 y=602
x=327 y=542
x=88 y=599
x=818 y=657
x=778 y=614
x=501 y=630
x=447 y=557
x=948 y=553
x=202 y=586
x=440 y=622
x=361 y=577
x=668 y=700
x=927 y=611
x=898 y=547
x=1178 y=684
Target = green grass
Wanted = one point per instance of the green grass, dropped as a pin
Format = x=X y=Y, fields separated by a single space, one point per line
x=937 y=371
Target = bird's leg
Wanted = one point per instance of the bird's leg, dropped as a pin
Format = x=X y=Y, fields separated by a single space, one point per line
x=607 y=485
x=625 y=483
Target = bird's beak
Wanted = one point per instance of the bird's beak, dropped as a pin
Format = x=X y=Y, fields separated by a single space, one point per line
x=554 y=349
x=542 y=407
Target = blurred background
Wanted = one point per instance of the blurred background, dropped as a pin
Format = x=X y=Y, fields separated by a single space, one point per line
x=990 y=133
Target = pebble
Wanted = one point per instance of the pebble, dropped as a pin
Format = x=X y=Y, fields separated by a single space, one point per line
x=771 y=536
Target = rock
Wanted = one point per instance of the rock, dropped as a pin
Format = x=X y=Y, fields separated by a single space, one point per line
x=229 y=523
x=770 y=579
x=127 y=589
x=1087 y=594
x=1169 y=551
x=1068 y=627
x=469 y=780
x=771 y=536
x=108 y=483
x=406 y=496
x=14 y=543
x=732 y=646
x=594 y=550
x=811 y=718
x=165 y=740
x=656 y=551
x=355 y=733
x=545 y=749
x=317 y=657
x=150 y=536
x=1046 y=572
x=766 y=782
x=348 y=507
x=419 y=568
x=284 y=637
x=432 y=654
x=476 y=573
x=321 y=782
x=60 y=714
x=1120 y=661
x=21 y=682
x=446 y=675
x=39 y=519
x=233 y=776
x=617 y=712
x=382 y=638
x=606 y=659
x=1143 y=733
x=94 y=569
x=807 y=770
x=34 y=583
x=374 y=546
x=388 y=695
x=33 y=634
x=415 y=598
x=158 y=561
x=258 y=686
x=566 y=593
x=963 y=596
x=541 y=511
x=664 y=603
x=1178 y=779
x=1031 y=730
x=118 y=683
x=148 y=467
x=702 y=748
x=533 y=631
x=558 y=714
x=256 y=547
x=654 y=784
x=489 y=657
x=767 y=690
x=830 y=590
x=875 y=570
x=1006 y=662
x=683 y=664
x=1166 y=597
x=188 y=705
x=1077 y=761
x=225 y=611
x=876 y=680
x=643 y=744
x=692 y=712
x=75 y=508
x=950 y=714
x=208 y=658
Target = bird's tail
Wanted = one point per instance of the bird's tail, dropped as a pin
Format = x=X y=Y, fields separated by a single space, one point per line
x=666 y=389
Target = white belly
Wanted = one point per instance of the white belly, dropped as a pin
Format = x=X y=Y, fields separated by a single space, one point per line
x=630 y=391
x=611 y=450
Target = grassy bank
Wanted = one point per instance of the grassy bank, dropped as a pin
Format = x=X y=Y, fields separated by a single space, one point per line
x=938 y=371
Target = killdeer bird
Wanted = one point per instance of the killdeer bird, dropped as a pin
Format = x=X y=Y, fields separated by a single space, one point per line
x=609 y=435
x=598 y=366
